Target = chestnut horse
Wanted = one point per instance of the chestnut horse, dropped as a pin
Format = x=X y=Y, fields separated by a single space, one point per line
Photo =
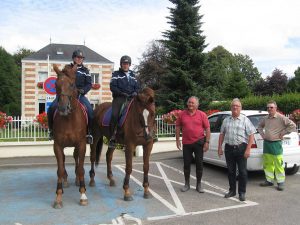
x=138 y=129
x=69 y=129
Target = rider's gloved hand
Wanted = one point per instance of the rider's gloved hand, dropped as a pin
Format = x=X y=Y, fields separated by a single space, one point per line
x=81 y=91
x=133 y=94
x=125 y=94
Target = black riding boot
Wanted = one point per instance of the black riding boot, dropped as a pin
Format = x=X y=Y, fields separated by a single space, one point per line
x=113 y=131
x=186 y=186
x=198 y=185
x=89 y=137
x=50 y=124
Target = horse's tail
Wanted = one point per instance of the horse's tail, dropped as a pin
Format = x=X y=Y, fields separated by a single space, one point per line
x=99 y=150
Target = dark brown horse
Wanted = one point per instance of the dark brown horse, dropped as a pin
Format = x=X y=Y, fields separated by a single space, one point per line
x=69 y=128
x=138 y=129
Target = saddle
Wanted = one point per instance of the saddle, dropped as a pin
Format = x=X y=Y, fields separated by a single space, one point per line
x=82 y=107
x=122 y=116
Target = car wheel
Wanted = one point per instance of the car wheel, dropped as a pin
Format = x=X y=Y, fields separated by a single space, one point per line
x=292 y=171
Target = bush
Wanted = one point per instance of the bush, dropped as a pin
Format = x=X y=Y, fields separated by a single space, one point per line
x=286 y=103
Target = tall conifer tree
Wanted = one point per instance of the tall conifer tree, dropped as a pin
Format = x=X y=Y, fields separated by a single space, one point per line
x=185 y=43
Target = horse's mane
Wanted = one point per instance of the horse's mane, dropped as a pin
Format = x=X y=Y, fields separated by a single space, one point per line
x=68 y=70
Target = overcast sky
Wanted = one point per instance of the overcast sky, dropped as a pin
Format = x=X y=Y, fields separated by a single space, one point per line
x=266 y=30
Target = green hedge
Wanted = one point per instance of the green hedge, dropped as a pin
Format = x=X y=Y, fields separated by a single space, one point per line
x=286 y=103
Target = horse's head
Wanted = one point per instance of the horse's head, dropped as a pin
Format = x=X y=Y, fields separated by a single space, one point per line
x=146 y=99
x=65 y=88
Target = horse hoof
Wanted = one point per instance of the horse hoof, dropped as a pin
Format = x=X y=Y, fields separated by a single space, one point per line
x=57 y=205
x=112 y=183
x=128 y=198
x=65 y=184
x=84 y=202
x=92 y=183
x=147 y=195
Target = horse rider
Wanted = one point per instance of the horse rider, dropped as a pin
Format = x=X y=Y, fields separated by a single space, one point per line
x=83 y=84
x=123 y=86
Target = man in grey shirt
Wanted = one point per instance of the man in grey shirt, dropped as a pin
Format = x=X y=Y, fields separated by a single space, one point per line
x=272 y=128
x=238 y=133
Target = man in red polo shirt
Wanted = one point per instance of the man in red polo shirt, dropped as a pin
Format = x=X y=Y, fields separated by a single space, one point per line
x=195 y=139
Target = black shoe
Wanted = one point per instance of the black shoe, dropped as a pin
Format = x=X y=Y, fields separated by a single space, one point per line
x=266 y=184
x=185 y=188
x=242 y=197
x=51 y=137
x=229 y=194
x=280 y=187
x=112 y=143
x=200 y=189
x=89 y=139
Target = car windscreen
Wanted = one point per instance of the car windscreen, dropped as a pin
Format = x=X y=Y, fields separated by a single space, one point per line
x=255 y=119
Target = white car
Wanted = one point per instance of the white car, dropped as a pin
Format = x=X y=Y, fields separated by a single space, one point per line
x=290 y=143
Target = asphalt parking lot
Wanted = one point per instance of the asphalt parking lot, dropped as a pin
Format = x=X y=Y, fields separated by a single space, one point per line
x=28 y=190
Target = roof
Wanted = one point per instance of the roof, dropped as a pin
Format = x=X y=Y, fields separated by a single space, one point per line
x=63 y=52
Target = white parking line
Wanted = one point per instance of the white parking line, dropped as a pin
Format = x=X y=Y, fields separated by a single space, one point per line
x=171 y=190
x=154 y=194
x=178 y=209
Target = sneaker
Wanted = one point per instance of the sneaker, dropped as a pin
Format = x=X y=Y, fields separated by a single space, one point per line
x=280 y=187
x=89 y=139
x=266 y=184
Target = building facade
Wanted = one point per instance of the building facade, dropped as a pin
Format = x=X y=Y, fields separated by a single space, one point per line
x=37 y=67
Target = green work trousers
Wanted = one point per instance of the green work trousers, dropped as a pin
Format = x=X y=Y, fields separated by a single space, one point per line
x=273 y=161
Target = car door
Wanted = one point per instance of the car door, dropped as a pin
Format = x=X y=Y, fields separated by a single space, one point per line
x=211 y=155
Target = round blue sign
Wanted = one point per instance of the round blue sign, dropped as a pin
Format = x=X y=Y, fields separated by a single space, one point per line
x=49 y=85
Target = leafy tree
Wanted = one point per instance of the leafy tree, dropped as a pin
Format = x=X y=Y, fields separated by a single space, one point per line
x=294 y=83
x=236 y=86
x=20 y=54
x=246 y=66
x=274 y=84
x=10 y=85
x=153 y=65
x=277 y=83
x=217 y=68
x=185 y=44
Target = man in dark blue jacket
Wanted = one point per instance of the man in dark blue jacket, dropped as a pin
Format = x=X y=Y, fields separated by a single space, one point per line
x=123 y=86
x=83 y=83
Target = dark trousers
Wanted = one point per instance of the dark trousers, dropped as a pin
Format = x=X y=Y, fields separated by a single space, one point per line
x=235 y=156
x=115 y=112
x=188 y=150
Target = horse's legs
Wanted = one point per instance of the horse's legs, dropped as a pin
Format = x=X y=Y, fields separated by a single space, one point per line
x=146 y=156
x=75 y=156
x=65 y=182
x=60 y=173
x=109 y=156
x=93 y=159
x=128 y=170
x=80 y=173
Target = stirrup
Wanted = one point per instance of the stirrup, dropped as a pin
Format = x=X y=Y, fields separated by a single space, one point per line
x=50 y=135
x=112 y=143
x=89 y=139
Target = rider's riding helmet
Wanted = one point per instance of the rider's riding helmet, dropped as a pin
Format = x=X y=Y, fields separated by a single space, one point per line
x=125 y=59
x=77 y=53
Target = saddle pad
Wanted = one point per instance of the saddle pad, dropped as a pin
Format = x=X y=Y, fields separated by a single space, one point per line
x=122 y=118
x=82 y=107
